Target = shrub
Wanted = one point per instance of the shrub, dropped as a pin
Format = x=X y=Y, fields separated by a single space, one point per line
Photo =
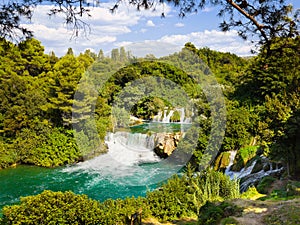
x=184 y=196
x=264 y=184
x=210 y=214
x=53 y=208
x=213 y=213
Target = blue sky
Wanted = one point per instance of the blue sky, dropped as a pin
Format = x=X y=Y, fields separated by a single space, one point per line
x=140 y=32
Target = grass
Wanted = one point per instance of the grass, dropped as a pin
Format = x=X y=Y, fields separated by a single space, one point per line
x=286 y=214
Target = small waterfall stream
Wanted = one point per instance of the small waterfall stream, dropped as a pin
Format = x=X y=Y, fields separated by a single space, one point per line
x=165 y=117
x=249 y=177
x=228 y=172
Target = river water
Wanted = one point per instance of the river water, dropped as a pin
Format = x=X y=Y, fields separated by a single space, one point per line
x=130 y=168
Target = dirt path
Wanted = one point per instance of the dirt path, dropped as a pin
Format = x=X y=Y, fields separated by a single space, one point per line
x=254 y=213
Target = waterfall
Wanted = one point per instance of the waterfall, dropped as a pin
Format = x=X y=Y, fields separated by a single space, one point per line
x=158 y=117
x=139 y=140
x=167 y=117
x=247 y=176
x=125 y=150
x=182 y=115
x=228 y=172
x=254 y=178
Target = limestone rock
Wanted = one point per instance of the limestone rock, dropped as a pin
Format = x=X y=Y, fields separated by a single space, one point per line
x=166 y=143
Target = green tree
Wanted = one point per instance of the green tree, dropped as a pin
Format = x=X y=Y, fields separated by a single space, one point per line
x=115 y=55
x=123 y=55
x=273 y=72
x=238 y=127
x=100 y=55
x=64 y=79
x=54 y=208
x=287 y=147
x=70 y=51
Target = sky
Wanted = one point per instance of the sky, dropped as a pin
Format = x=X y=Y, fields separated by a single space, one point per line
x=144 y=32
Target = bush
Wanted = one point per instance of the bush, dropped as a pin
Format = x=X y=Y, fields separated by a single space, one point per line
x=59 y=148
x=183 y=197
x=210 y=214
x=68 y=208
x=213 y=213
x=264 y=184
x=7 y=156
x=53 y=208
x=179 y=197
x=251 y=193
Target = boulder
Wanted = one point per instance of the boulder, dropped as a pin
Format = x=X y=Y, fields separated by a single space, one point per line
x=166 y=143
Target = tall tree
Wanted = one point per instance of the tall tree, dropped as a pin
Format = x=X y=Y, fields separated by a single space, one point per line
x=67 y=73
x=115 y=55
x=123 y=55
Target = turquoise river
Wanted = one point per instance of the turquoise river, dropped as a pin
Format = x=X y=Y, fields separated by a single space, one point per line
x=130 y=168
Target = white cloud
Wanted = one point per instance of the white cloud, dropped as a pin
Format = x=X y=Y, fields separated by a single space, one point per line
x=207 y=9
x=143 y=30
x=155 y=47
x=150 y=23
x=216 y=40
x=105 y=26
x=179 y=25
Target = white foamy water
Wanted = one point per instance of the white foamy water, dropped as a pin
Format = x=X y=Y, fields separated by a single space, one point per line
x=126 y=152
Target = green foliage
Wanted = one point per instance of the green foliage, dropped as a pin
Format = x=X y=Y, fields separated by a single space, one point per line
x=7 y=157
x=243 y=156
x=251 y=193
x=212 y=213
x=58 y=148
x=148 y=107
x=53 y=208
x=238 y=127
x=274 y=72
x=287 y=145
x=264 y=184
x=175 y=117
x=37 y=92
x=184 y=196
x=68 y=208
x=64 y=79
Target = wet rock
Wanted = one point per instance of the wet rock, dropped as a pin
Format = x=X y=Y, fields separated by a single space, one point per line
x=166 y=143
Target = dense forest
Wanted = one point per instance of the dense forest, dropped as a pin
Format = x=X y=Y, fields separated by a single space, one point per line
x=37 y=128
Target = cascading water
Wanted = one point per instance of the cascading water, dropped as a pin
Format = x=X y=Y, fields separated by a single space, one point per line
x=131 y=148
x=228 y=172
x=125 y=152
x=158 y=117
x=129 y=168
x=247 y=176
x=166 y=117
